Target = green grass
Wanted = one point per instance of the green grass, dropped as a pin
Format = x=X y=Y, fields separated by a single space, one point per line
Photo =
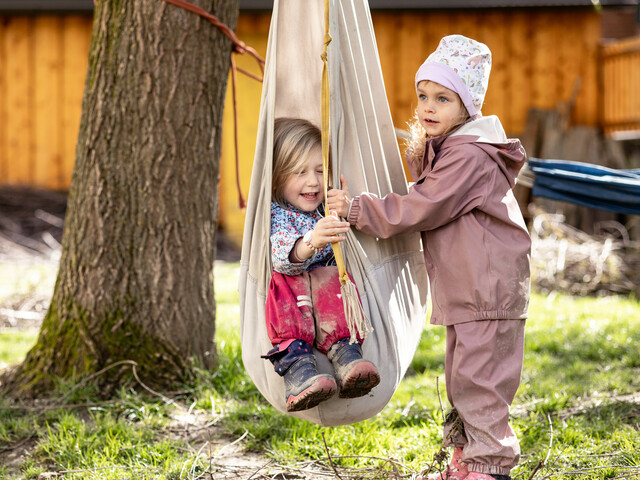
x=575 y=407
x=14 y=345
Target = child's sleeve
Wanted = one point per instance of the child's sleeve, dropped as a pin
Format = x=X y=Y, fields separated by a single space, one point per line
x=451 y=190
x=283 y=237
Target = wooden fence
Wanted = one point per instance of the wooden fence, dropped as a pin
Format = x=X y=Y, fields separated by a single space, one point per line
x=621 y=88
x=538 y=55
x=43 y=64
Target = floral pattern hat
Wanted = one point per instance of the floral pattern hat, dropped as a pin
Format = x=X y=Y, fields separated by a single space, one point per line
x=462 y=65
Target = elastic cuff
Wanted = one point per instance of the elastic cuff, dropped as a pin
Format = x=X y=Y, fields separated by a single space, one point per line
x=293 y=256
x=354 y=210
x=489 y=469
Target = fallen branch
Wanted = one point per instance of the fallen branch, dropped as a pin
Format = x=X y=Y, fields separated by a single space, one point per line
x=22 y=314
x=543 y=463
x=568 y=260
x=628 y=469
x=329 y=457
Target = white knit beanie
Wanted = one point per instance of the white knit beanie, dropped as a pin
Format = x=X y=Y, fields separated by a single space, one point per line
x=462 y=65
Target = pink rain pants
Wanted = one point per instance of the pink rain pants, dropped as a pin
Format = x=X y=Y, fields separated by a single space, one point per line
x=483 y=365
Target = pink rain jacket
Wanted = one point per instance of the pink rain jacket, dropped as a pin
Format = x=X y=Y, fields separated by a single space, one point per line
x=476 y=244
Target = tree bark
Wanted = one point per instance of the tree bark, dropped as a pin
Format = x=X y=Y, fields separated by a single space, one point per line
x=136 y=273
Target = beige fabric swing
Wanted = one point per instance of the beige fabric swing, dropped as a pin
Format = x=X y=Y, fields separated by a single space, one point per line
x=390 y=274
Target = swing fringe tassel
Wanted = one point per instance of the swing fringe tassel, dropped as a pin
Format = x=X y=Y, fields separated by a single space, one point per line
x=357 y=321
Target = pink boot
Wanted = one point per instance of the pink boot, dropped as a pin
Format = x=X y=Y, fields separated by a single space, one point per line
x=456 y=470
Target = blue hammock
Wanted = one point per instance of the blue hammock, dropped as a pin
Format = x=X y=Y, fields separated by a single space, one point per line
x=586 y=184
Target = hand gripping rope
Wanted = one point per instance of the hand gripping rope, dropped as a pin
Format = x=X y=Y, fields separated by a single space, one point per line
x=357 y=321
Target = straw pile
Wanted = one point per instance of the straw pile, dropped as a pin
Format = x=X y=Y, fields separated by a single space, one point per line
x=565 y=259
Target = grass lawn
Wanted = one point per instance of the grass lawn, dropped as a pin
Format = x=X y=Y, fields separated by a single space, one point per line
x=577 y=410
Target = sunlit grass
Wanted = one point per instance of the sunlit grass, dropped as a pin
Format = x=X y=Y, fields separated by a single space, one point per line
x=579 y=352
x=14 y=345
x=582 y=364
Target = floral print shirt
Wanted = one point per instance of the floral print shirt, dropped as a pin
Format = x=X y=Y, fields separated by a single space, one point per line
x=287 y=226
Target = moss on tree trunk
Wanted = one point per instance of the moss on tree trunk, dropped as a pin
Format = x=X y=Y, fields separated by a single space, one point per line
x=136 y=272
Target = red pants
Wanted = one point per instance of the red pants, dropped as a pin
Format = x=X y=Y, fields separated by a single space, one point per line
x=306 y=307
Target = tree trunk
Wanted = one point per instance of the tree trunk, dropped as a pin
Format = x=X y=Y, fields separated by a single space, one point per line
x=136 y=274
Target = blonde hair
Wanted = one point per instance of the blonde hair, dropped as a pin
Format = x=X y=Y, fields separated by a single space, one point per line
x=416 y=141
x=293 y=141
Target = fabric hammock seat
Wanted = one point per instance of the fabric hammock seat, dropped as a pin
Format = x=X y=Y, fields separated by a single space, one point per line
x=390 y=274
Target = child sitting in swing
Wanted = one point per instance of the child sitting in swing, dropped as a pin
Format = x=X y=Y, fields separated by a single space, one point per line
x=476 y=249
x=304 y=307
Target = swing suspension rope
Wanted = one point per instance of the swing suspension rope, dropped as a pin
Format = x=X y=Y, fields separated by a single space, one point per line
x=241 y=48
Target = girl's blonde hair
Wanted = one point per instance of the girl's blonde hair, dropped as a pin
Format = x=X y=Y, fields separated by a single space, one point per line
x=293 y=141
x=416 y=141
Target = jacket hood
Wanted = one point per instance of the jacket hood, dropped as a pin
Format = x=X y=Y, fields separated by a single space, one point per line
x=487 y=134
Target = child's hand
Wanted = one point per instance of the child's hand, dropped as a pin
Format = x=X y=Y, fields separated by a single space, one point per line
x=327 y=231
x=340 y=200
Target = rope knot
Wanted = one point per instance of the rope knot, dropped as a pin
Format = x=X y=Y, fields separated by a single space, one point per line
x=240 y=47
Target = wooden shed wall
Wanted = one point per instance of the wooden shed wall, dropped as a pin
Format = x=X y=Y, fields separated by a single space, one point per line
x=43 y=64
x=621 y=96
x=538 y=55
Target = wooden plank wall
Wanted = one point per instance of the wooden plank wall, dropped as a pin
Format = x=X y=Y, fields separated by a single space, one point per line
x=43 y=63
x=538 y=55
x=621 y=95
x=253 y=30
x=537 y=58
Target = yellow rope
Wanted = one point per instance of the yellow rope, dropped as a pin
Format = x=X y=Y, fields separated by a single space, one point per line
x=337 y=250
x=356 y=318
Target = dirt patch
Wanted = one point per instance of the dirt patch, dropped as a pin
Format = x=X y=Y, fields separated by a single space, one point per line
x=221 y=456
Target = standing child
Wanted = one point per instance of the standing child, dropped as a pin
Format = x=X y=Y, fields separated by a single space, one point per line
x=304 y=306
x=476 y=248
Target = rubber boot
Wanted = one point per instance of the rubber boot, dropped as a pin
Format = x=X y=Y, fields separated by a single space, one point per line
x=486 y=476
x=355 y=376
x=456 y=470
x=305 y=388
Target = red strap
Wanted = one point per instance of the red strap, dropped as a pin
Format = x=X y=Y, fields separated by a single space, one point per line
x=241 y=202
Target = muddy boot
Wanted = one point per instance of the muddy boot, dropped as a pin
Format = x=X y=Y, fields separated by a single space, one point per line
x=486 y=476
x=304 y=387
x=456 y=470
x=355 y=376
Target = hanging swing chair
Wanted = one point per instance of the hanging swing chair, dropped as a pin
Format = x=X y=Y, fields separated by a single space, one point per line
x=390 y=274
